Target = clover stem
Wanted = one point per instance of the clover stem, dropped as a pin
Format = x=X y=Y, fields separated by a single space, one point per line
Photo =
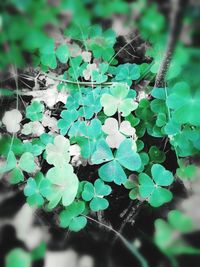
x=129 y=246
x=173 y=261
x=119 y=118
x=77 y=82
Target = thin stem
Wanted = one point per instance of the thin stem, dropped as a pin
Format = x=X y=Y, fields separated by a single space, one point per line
x=173 y=261
x=129 y=246
x=119 y=118
x=80 y=83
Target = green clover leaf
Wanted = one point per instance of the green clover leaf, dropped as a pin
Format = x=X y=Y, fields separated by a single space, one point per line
x=152 y=189
x=186 y=141
x=25 y=163
x=95 y=195
x=18 y=257
x=34 y=111
x=73 y=101
x=156 y=155
x=146 y=116
x=126 y=73
x=76 y=68
x=71 y=217
x=90 y=104
x=185 y=104
x=101 y=43
x=133 y=187
x=6 y=142
x=47 y=54
x=126 y=156
x=158 y=106
x=58 y=153
x=89 y=136
x=11 y=163
x=186 y=171
x=99 y=75
x=152 y=22
x=64 y=185
x=161 y=120
x=117 y=100
x=68 y=118
x=62 y=53
x=35 y=189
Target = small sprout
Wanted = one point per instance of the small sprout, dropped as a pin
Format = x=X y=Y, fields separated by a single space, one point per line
x=156 y=155
x=72 y=217
x=95 y=194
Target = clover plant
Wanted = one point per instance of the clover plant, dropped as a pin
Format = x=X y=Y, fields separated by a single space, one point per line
x=95 y=195
x=106 y=118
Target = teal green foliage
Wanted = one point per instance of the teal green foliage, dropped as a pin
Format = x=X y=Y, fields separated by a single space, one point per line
x=109 y=90
x=152 y=189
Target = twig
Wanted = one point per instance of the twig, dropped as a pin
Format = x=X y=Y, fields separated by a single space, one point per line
x=130 y=246
x=177 y=8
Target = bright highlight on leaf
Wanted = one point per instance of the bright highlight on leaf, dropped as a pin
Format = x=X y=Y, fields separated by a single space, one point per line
x=118 y=100
x=63 y=185
x=11 y=120
x=117 y=134
x=58 y=153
